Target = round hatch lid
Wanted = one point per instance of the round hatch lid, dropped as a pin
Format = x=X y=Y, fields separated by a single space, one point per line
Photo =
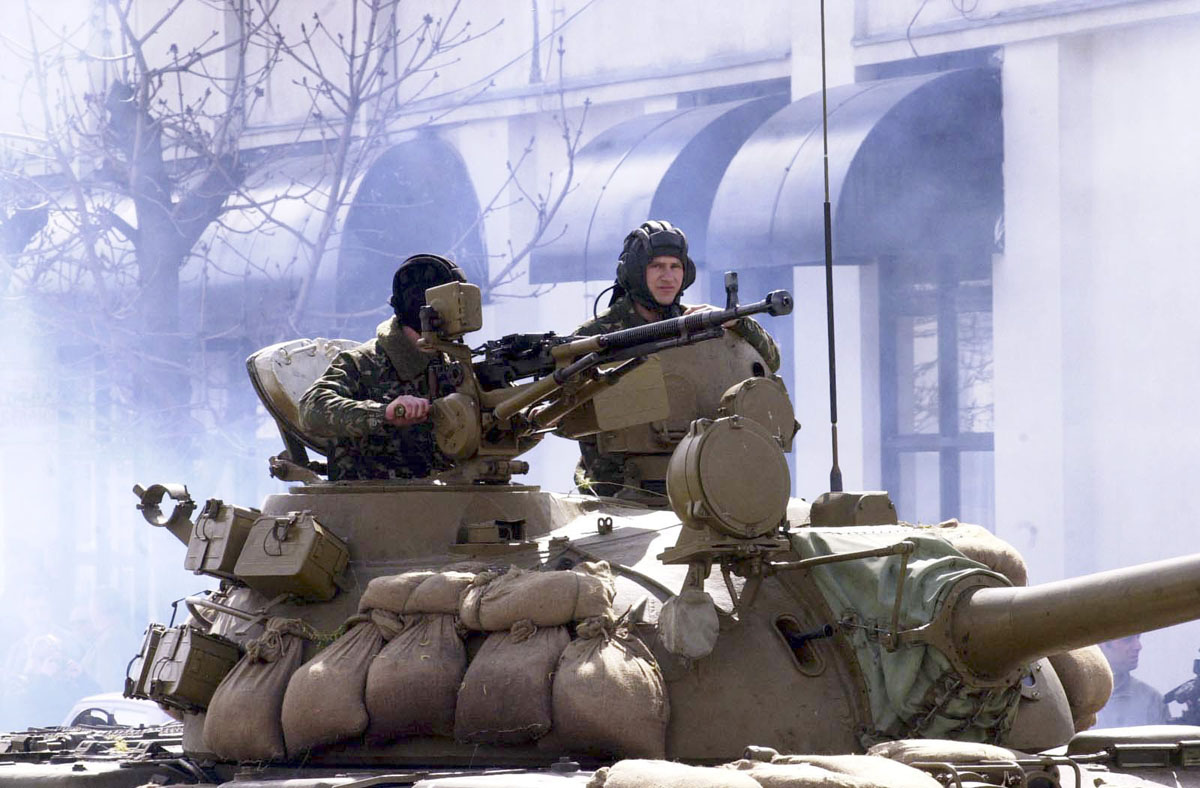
x=729 y=475
x=766 y=401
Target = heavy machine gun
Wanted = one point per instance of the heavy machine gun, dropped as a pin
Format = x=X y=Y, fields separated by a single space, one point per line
x=493 y=417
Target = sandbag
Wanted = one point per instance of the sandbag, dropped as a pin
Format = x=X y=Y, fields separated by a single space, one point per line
x=980 y=544
x=243 y=719
x=324 y=701
x=439 y=593
x=666 y=774
x=505 y=694
x=609 y=697
x=391 y=592
x=1087 y=681
x=495 y=602
x=412 y=684
x=841 y=771
x=803 y=775
x=942 y=750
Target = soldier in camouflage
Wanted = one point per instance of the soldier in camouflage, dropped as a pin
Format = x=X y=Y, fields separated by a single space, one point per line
x=373 y=402
x=653 y=272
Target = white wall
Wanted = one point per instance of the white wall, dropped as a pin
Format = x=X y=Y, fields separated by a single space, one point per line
x=1097 y=362
x=1136 y=361
x=1028 y=315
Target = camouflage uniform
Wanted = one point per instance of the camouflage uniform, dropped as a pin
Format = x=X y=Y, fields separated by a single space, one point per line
x=605 y=474
x=347 y=403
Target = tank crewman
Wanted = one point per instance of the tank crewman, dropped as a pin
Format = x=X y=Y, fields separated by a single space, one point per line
x=652 y=272
x=374 y=400
x=1133 y=702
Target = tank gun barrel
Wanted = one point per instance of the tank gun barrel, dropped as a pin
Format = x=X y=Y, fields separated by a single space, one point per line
x=995 y=630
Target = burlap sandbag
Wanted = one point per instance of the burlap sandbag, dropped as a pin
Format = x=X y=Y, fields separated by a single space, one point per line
x=980 y=544
x=838 y=771
x=609 y=696
x=808 y=775
x=1087 y=680
x=505 y=694
x=412 y=685
x=243 y=719
x=941 y=750
x=391 y=592
x=324 y=701
x=494 y=602
x=439 y=593
x=667 y=774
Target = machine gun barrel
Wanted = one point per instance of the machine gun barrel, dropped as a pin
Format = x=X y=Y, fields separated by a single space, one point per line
x=998 y=629
x=586 y=353
x=777 y=303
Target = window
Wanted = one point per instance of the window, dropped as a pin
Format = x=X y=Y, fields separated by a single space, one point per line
x=936 y=388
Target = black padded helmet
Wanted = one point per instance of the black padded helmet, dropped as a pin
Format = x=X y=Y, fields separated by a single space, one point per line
x=649 y=240
x=416 y=275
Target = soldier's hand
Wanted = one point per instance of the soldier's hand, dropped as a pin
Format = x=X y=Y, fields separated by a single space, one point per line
x=406 y=410
x=708 y=308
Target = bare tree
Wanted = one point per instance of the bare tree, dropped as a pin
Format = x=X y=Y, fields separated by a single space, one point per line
x=136 y=147
x=133 y=149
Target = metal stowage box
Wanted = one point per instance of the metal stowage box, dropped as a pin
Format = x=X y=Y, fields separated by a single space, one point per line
x=137 y=685
x=292 y=554
x=217 y=538
x=188 y=666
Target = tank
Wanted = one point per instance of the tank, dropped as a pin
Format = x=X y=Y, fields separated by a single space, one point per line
x=470 y=630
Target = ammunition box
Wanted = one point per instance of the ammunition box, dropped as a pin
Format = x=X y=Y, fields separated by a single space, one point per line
x=188 y=665
x=292 y=554
x=137 y=685
x=217 y=538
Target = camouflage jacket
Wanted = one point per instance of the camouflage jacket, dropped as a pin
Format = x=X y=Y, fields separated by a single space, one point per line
x=605 y=474
x=346 y=405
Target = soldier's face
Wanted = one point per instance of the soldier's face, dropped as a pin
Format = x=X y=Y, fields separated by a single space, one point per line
x=664 y=278
x=1122 y=654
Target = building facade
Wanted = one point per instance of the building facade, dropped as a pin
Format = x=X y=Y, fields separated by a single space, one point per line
x=1014 y=251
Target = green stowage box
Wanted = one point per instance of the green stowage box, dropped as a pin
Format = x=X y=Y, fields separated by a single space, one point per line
x=188 y=666
x=292 y=554
x=218 y=538
x=137 y=685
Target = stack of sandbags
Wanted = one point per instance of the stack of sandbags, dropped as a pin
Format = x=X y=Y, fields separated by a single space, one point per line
x=980 y=544
x=328 y=700
x=412 y=684
x=243 y=719
x=609 y=697
x=1087 y=681
x=505 y=696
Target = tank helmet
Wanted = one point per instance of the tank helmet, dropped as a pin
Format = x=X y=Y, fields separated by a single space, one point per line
x=649 y=240
x=416 y=275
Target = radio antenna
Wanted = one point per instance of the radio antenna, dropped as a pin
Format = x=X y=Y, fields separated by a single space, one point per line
x=835 y=473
